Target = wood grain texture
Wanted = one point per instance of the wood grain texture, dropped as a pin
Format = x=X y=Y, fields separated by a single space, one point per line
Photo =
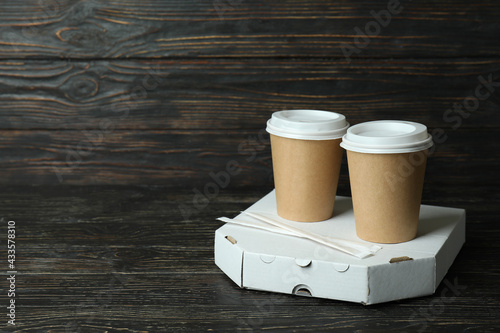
x=236 y=28
x=127 y=92
x=235 y=94
x=124 y=259
x=179 y=158
x=164 y=93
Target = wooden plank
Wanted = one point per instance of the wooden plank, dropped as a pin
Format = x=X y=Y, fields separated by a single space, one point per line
x=183 y=302
x=165 y=93
x=236 y=28
x=182 y=158
x=113 y=258
x=239 y=94
x=267 y=312
x=164 y=249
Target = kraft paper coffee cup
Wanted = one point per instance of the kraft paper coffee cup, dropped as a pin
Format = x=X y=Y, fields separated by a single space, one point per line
x=386 y=161
x=306 y=155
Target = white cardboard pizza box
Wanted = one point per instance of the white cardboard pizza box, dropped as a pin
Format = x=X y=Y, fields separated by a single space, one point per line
x=270 y=261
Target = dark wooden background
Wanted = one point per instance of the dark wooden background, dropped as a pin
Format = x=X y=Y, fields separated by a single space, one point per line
x=114 y=113
x=162 y=92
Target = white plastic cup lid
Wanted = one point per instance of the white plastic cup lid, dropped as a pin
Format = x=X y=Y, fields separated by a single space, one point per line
x=387 y=137
x=307 y=124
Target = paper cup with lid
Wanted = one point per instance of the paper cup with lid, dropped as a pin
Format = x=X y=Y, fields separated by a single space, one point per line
x=306 y=155
x=386 y=161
